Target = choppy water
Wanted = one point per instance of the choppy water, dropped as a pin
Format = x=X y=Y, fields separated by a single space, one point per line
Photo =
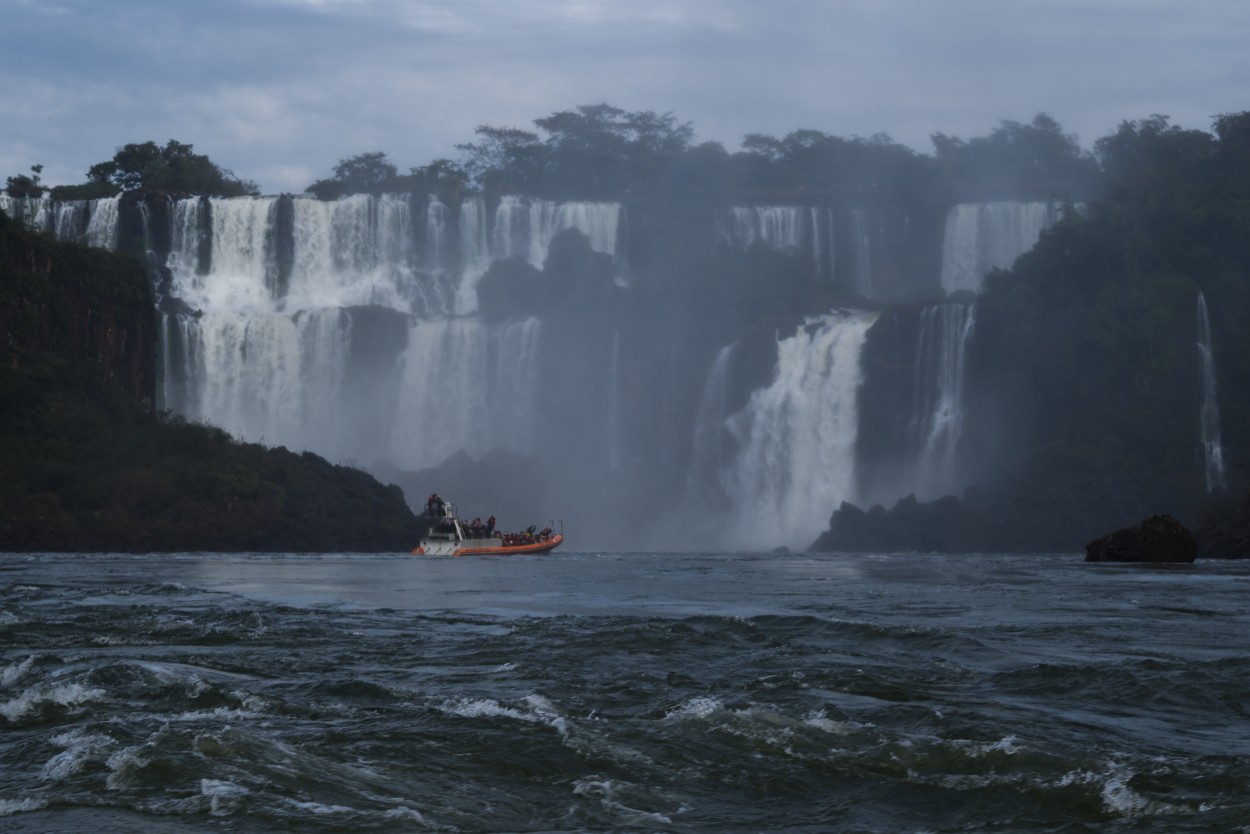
x=622 y=692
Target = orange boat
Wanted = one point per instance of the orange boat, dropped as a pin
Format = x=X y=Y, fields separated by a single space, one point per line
x=449 y=536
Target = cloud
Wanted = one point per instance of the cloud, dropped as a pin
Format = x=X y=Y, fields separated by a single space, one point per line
x=275 y=88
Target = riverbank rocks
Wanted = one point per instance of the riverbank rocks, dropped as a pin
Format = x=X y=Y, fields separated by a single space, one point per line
x=1160 y=538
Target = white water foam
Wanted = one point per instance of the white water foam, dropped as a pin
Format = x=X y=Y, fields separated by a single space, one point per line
x=15 y=671
x=72 y=695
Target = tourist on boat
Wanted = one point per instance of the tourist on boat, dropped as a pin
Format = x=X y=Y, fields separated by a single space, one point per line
x=490 y=526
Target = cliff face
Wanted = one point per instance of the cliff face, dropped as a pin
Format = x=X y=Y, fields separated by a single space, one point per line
x=84 y=307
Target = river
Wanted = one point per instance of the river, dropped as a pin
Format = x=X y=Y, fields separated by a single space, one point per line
x=595 y=692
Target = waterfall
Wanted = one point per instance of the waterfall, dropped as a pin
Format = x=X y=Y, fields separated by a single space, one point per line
x=1209 y=412
x=861 y=242
x=796 y=438
x=708 y=447
x=475 y=253
x=980 y=237
x=937 y=397
x=523 y=228
x=71 y=220
x=359 y=347
x=822 y=242
x=465 y=385
x=102 y=227
x=777 y=227
x=796 y=230
x=437 y=234
x=242 y=270
x=94 y=222
x=150 y=255
x=270 y=378
x=35 y=213
x=357 y=250
x=184 y=251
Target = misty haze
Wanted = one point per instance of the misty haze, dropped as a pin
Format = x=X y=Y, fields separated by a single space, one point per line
x=700 y=417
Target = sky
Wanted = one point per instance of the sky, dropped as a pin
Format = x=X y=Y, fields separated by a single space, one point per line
x=279 y=91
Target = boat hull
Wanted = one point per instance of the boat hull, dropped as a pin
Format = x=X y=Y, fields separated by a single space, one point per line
x=483 y=547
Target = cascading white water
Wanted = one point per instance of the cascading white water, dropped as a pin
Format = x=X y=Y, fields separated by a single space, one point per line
x=354 y=251
x=35 y=213
x=777 y=227
x=437 y=234
x=796 y=438
x=71 y=220
x=798 y=230
x=464 y=384
x=102 y=228
x=937 y=398
x=242 y=272
x=980 y=237
x=822 y=241
x=1209 y=411
x=475 y=253
x=94 y=222
x=523 y=228
x=273 y=357
x=268 y=377
x=184 y=252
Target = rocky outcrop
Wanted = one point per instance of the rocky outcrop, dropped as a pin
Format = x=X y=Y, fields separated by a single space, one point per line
x=80 y=306
x=1160 y=538
x=941 y=526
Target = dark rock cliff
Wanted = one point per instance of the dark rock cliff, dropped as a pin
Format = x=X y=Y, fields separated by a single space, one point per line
x=79 y=305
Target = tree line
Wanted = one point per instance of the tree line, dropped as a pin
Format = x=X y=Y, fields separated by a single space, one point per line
x=601 y=152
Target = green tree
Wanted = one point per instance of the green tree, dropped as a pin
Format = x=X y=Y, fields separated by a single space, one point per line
x=442 y=177
x=1035 y=159
x=174 y=167
x=504 y=159
x=24 y=185
x=364 y=173
x=601 y=151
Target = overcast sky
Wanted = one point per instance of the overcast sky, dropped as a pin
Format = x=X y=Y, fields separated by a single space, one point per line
x=278 y=91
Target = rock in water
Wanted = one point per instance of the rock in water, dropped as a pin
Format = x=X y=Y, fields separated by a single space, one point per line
x=1159 y=538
